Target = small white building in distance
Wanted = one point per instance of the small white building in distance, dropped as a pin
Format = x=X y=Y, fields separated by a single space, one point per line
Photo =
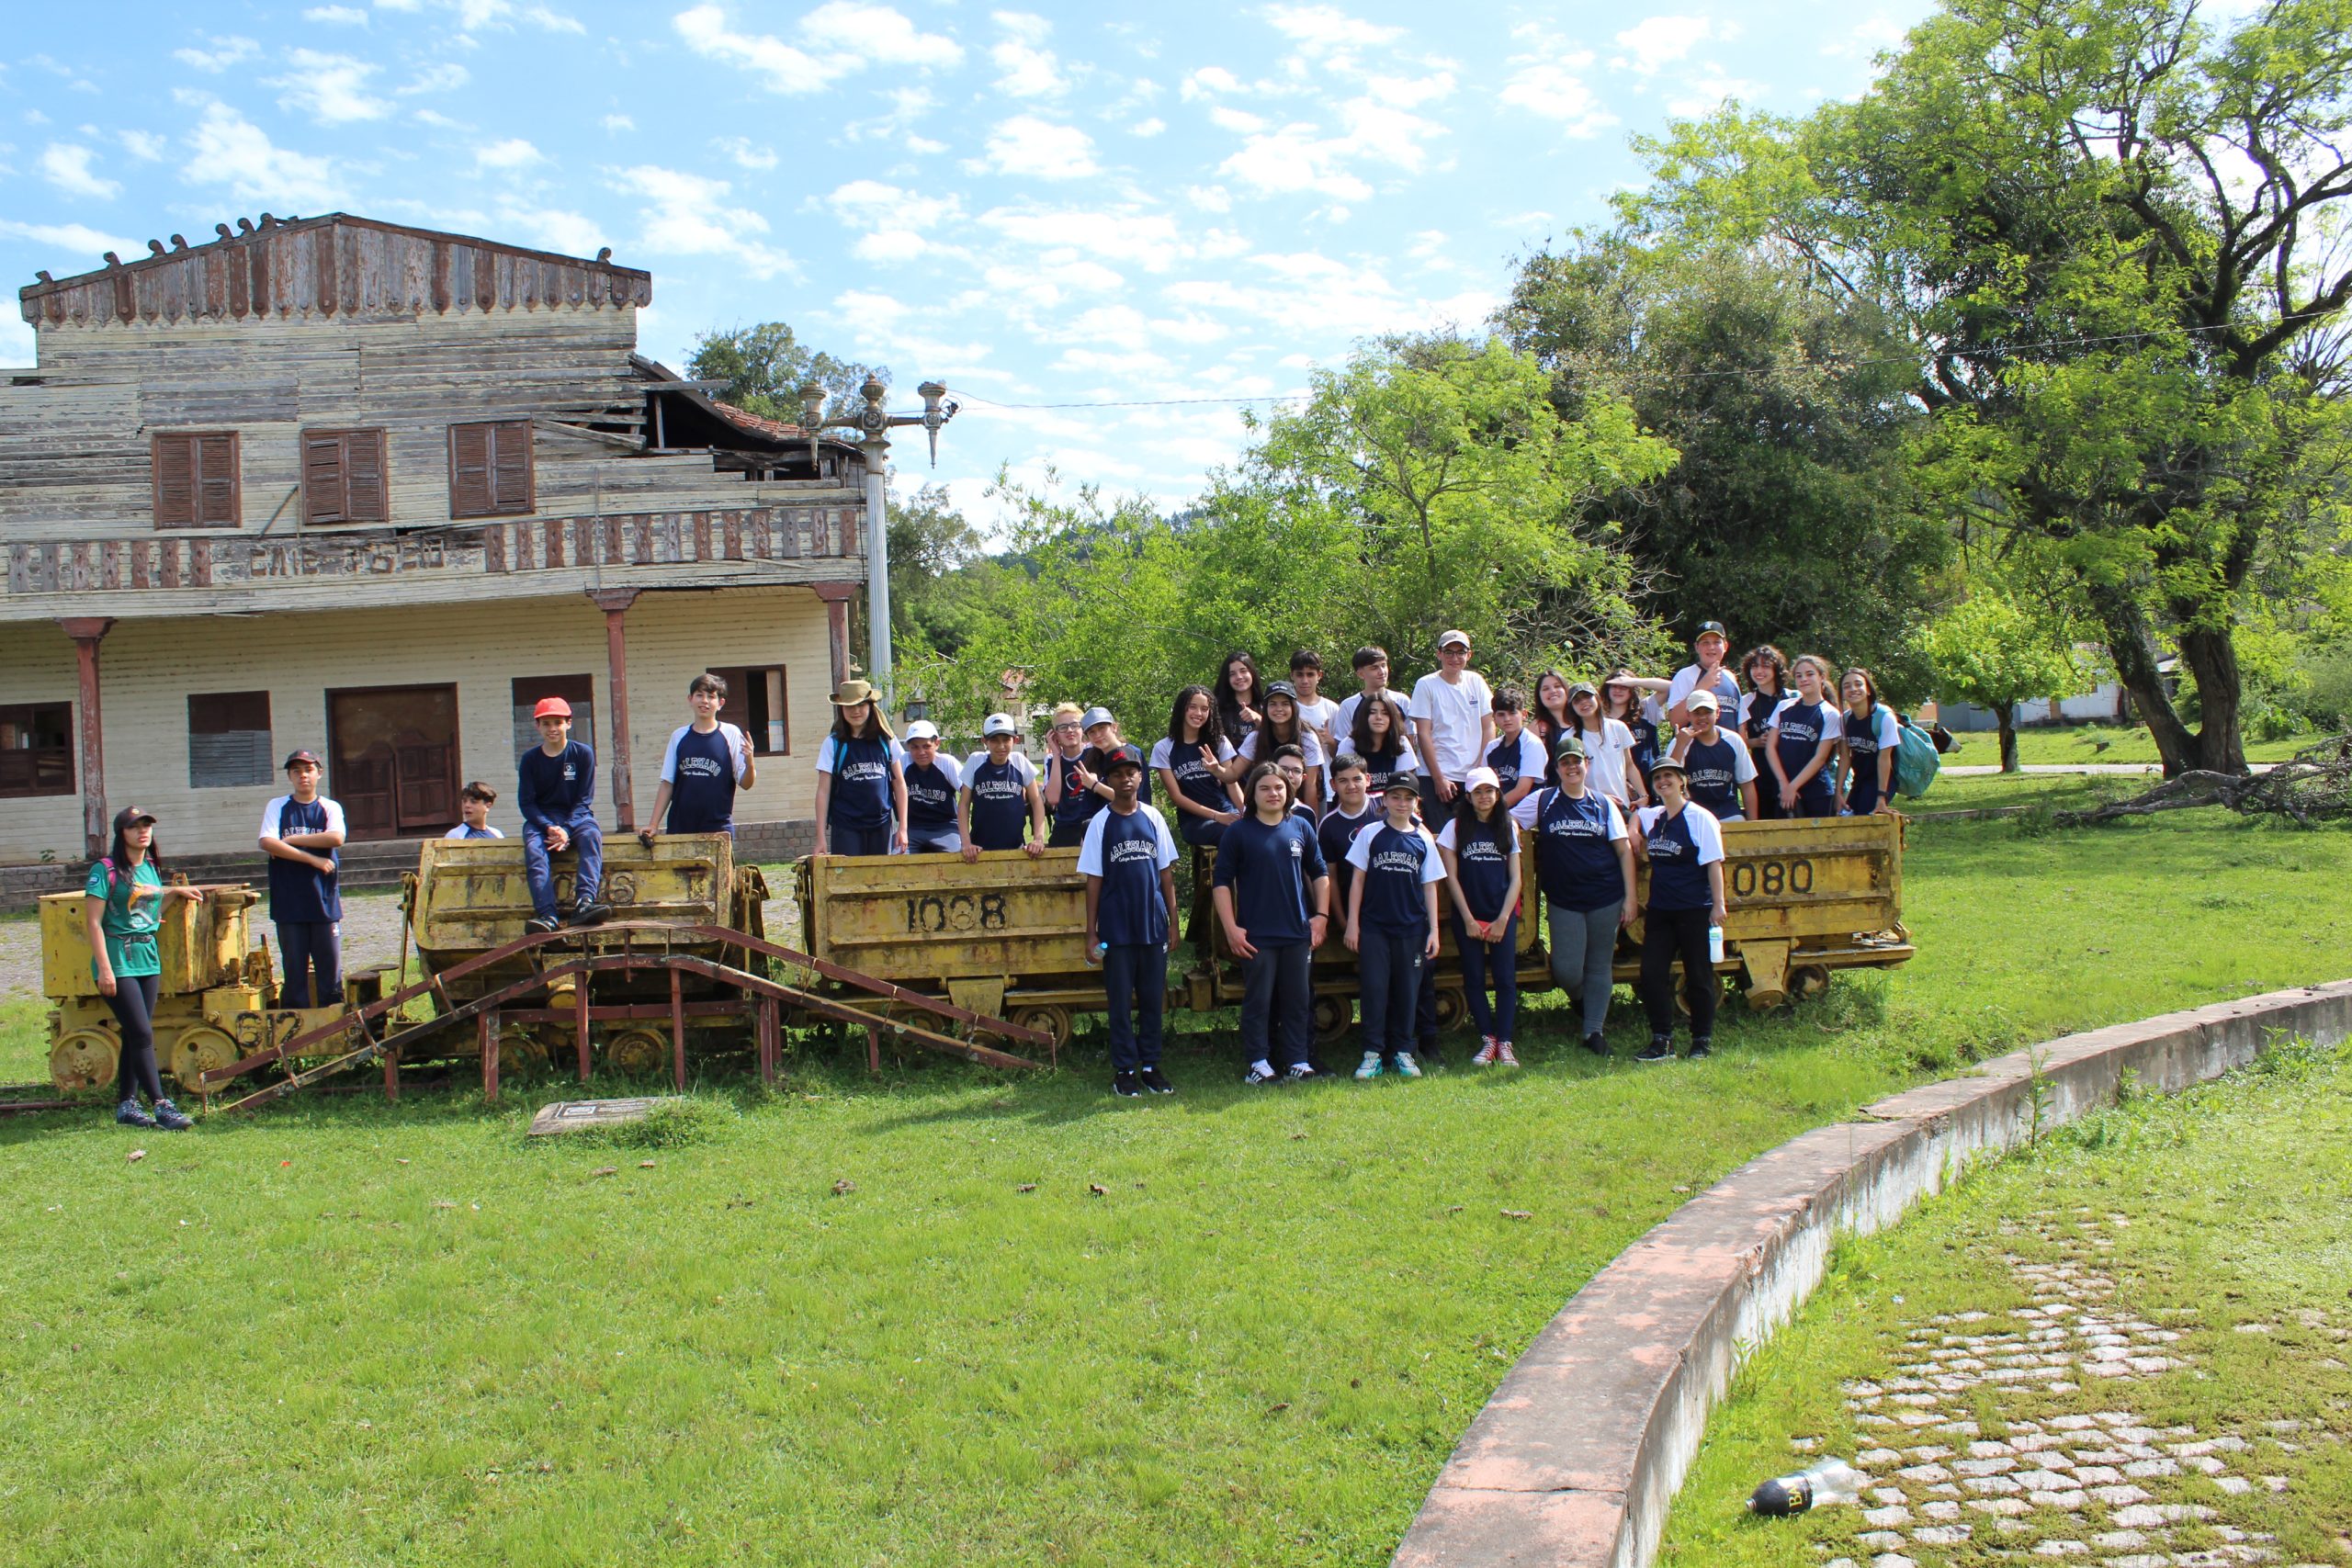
x=374 y=491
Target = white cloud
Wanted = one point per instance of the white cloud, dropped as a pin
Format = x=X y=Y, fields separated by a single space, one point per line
x=1153 y=127
x=552 y=229
x=1320 y=30
x=66 y=166
x=144 y=145
x=844 y=37
x=1209 y=79
x=1152 y=240
x=1705 y=93
x=1209 y=198
x=229 y=150
x=1026 y=26
x=1661 y=40
x=1865 y=38
x=746 y=153
x=512 y=153
x=1544 y=82
x=1241 y=120
x=1386 y=135
x=436 y=119
x=692 y=215
x=1410 y=92
x=446 y=77
x=474 y=15
x=618 y=122
x=871 y=204
x=336 y=15
x=76 y=237
x=16 y=345
x=1027 y=145
x=223 y=53
x=1029 y=72
x=330 y=88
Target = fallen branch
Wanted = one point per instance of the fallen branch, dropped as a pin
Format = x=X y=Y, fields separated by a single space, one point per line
x=2312 y=787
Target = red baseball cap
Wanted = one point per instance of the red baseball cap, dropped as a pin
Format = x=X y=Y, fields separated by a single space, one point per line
x=551 y=707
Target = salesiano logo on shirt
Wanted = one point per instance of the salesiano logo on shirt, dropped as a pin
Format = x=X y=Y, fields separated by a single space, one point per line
x=1404 y=860
x=865 y=773
x=1133 y=849
x=700 y=767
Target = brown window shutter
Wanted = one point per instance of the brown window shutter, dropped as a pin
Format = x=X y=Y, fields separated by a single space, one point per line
x=216 y=481
x=365 y=496
x=469 y=470
x=174 y=463
x=510 y=466
x=325 y=476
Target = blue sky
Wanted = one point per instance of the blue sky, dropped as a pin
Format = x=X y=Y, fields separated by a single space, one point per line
x=1040 y=205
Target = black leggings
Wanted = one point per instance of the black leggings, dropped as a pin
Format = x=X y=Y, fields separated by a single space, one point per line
x=1666 y=935
x=134 y=1008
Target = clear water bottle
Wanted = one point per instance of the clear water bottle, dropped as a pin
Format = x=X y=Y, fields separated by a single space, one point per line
x=1816 y=1487
x=1715 y=944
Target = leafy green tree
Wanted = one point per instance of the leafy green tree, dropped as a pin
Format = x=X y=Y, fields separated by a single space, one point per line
x=2109 y=234
x=1996 y=652
x=766 y=366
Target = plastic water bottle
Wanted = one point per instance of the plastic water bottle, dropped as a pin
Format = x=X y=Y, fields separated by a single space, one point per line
x=1715 y=944
x=1816 y=1487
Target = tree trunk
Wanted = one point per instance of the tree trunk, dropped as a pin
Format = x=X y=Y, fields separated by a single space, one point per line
x=2133 y=648
x=2006 y=716
x=2212 y=656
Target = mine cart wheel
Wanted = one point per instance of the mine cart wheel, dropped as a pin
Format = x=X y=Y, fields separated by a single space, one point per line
x=638 y=1053
x=523 y=1051
x=1053 y=1021
x=1333 y=1016
x=1807 y=981
x=1453 y=1009
x=85 y=1059
x=203 y=1049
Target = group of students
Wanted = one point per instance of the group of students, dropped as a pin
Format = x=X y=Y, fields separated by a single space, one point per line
x=1386 y=813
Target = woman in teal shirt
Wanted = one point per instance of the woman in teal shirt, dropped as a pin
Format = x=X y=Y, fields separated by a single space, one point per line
x=122 y=911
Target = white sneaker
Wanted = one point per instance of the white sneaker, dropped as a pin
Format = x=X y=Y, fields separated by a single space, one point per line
x=1262 y=1073
x=1369 y=1067
x=1486 y=1053
x=1406 y=1066
x=1299 y=1072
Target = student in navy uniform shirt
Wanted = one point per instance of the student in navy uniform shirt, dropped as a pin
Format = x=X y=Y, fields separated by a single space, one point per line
x=1686 y=856
x=1768 y=688
x=1292 y=762
x=1801 y=743
x=704 y=765
x=1000 y=796
x=556 y=792
x=1353 y=809
x=1516 y=758
x=473 y=813
x=1129 y=860
x=1868 y=737
x=933 y=784
x=302 y=833
x=1721 y=773
x=860 y=779
x=1069 y=783
x=1377 y=735
x=1189 y=761
x=1481 y=848
x=1392 y=925
x=1584 y=866
x=1272 y=896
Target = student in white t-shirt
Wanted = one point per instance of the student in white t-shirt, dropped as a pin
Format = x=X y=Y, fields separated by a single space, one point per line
x=1707 y=649
x=1280 y=725
x=1454 y=724
x=1607 y=749
x=1316 y=712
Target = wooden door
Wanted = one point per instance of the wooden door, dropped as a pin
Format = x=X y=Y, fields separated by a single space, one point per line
x=393 y=760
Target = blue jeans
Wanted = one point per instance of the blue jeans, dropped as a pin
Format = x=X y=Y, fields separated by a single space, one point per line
x=1388 y=972
x=1502 y=961
x=588 y=869
x=1135 y=981
x=1277 y=990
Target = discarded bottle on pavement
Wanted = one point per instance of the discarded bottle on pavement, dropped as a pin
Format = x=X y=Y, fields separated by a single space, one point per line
x=1816 y=1487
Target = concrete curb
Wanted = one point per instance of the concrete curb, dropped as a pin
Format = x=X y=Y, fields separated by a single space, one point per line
x=1574 y=1460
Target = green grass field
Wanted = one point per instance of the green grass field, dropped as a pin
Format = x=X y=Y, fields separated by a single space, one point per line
x=2095 y=743
x=342 y=1333
x=2226 y=1218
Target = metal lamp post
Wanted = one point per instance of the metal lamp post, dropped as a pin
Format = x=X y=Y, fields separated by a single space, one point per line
x=874 y=425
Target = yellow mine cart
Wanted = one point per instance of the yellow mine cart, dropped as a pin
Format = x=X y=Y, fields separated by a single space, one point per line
x=213 y=980
x=470 y=896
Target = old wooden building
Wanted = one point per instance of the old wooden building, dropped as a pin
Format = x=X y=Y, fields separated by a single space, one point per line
x=374 y=490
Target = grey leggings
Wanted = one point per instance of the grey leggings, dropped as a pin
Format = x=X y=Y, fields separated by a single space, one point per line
x=1582 y=947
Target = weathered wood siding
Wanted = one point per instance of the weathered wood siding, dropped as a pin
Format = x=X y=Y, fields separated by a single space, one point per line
x=149 y=667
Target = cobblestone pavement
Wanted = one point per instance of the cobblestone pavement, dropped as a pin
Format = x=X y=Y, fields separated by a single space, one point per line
x=2102 y=1489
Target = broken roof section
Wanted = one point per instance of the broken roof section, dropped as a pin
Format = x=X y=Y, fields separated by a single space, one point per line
x=335 y=266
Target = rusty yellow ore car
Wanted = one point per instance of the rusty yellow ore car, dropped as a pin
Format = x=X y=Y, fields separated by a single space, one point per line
x=1005 y=934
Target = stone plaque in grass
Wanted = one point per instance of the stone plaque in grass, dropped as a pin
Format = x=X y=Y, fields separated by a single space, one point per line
x=573 y=1115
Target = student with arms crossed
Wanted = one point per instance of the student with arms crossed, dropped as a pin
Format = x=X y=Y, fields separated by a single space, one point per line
x=556 y=791
x=704 y=765
x=1128 y=861
x=1392 y=924
x=1721 y=775
x=1273 y=897
x=1481 y=849
x=933 y=784
x=1686 y=857
x=473 y=813
x=1584 y=863
x=860 y=779
x=1453 y=723
x=302 y=833
x=1868 y=737
x=123 y=911
x=1801 y=743
x=1000 y=795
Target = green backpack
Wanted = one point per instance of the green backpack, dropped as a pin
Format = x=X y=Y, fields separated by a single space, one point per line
x=1916 y=760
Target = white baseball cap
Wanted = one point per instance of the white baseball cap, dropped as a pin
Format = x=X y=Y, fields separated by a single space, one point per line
x=1701 y=698
x=1477 y=776
x=999 y=724
x=1447 y=639
x=922 y=730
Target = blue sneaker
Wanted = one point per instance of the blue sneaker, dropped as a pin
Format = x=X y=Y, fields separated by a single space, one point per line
x=1370 y=1066
x=129 y=1115
x=1406 y=1066
x=168 y=1117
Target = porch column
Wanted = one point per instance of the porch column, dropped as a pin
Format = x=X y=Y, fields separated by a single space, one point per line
x=87 y=632
x=614 y=603
x=837 y=596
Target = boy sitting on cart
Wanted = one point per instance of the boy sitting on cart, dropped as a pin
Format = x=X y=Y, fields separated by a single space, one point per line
x=556 y=791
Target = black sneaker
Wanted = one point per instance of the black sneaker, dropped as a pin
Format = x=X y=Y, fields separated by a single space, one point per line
x=1699 y=1048
x=1156 y=1081
x=129 y=1115
x=539 y=925
x=594 y=913
x=1125 y=1086
x=1261 y=1073
x=1595 y=1044
x=1299 y=1072
x=1659 y=1049
x=168 y=1117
